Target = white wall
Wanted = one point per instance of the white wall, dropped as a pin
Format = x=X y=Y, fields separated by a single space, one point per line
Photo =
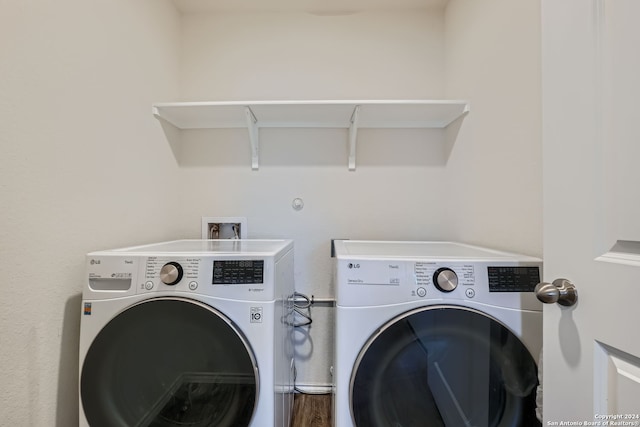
x=366 y=55
x=369 y=55
x=494 y=173
x=84 y=167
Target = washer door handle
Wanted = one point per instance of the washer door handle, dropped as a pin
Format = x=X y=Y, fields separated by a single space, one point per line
x=561 y=291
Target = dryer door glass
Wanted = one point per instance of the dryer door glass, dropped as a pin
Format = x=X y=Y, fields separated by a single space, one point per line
x=169 y=362
x=444 y=366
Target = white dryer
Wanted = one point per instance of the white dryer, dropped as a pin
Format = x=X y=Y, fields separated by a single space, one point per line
x=188 y=333
x=435 y=334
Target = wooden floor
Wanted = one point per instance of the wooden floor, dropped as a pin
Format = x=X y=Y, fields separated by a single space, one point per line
x=311 y=410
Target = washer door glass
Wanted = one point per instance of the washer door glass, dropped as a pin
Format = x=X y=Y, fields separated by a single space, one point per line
x=444 y=366
x=169 y=362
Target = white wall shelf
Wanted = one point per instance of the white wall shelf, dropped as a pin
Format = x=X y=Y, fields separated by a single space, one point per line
x=352 y=115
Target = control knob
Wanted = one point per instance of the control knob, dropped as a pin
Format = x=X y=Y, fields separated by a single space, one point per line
x=445 y=279
x=171 y=273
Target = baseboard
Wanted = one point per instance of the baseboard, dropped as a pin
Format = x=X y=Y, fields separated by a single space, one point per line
x=314 y=388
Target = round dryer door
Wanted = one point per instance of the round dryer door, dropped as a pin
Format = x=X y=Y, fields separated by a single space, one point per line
x=169 y=362
x=444 y=366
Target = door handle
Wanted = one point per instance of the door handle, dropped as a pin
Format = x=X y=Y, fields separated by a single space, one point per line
x=561 y=291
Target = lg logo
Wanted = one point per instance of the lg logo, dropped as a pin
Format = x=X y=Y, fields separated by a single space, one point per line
x=352 y=265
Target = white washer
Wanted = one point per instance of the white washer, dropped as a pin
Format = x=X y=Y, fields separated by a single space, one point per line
x=188 y=332
x=435 y=333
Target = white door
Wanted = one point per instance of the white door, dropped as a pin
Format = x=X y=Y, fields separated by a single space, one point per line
x=591 y=152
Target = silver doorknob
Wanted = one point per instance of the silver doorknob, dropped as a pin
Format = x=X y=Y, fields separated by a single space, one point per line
x=561 y=291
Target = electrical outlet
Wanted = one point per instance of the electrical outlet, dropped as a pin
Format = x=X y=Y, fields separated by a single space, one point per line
x=224 y=227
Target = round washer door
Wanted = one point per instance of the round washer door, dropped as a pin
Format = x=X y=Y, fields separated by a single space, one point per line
x=169 y=362
x=444 y=366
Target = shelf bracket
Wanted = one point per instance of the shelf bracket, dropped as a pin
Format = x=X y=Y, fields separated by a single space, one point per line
x=353 y=136
x=252 y=127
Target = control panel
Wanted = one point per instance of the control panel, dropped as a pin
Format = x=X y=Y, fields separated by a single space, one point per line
x=367 y=282
x=224 y=277
x=241 y=270
x=238 y=272
x=443 y=278
x=171 y=272
x=513 y=279
x=222 y=272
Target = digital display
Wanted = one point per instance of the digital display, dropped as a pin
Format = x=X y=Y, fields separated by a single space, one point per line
x=238 y=272
x=513 y=279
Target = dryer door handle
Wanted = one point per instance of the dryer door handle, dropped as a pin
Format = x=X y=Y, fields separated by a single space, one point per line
x=561 y=291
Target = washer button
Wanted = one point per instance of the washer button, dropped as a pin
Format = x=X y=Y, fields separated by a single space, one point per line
x=149 y=285
x=421 y=292
x=193 y=285
x=470 y=293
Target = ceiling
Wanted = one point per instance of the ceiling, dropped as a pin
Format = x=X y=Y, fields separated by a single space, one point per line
x=311 y=6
